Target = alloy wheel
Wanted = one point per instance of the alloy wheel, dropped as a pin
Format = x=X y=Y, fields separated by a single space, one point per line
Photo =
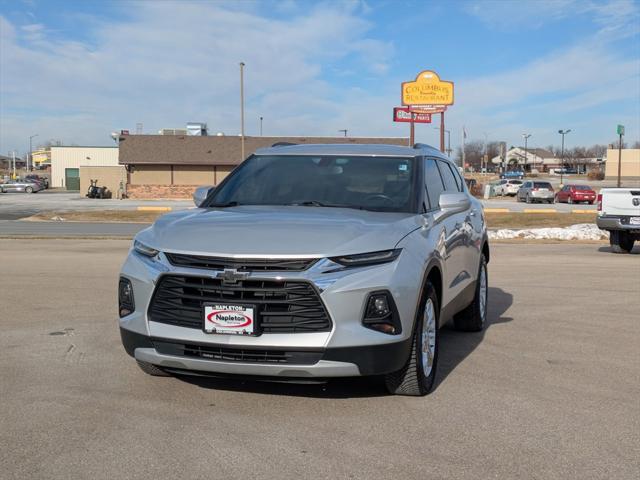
x=428 y=338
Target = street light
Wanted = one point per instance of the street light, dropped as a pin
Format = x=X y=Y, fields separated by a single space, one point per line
x=260 y=126
x=448 y=132
x=30 y=154
x=242 y=110
x=563 y=133
x=525 y=136
x=344 y=130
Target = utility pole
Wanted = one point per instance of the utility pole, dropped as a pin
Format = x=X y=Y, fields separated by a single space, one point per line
x=620 y=133
x=30 y=158
x=260 y=126
x=563 y=133
x=242 y=110
x=526 y=137
x=448 y=132
x=13 y=154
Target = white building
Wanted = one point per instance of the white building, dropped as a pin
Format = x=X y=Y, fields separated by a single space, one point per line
x=66 y=163
x=533 y=159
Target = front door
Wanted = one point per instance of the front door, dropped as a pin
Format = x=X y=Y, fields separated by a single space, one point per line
x=72 y=178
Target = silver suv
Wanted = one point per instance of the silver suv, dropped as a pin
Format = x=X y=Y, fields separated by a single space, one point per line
x=311 y=261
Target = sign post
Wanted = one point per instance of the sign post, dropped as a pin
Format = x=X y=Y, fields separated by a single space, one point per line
x=429 y=94
x=620 y=131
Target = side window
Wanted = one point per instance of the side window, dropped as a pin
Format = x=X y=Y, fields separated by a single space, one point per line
x=450 y=184
x=457 y=176
x=433 y=183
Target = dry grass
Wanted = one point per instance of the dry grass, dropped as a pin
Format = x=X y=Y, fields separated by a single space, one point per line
x=518 y=220
x=129 y=216
x=513 y=220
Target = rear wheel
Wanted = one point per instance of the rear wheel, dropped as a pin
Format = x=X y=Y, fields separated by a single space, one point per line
x=621 y=242
x=28 y=190
x=151 y=369
x=473 y=318
x=416 y=378
x=528 y=199
x=570 y=201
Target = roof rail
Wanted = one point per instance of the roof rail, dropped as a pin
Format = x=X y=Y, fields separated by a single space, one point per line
x=418 y=146
x=283 y=144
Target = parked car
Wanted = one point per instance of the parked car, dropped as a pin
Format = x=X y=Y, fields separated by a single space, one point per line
x=513 y=174
x=619 y=213
x=311 y=261
x=531 y=191
x=507 y=187
x=471 y=182
x=566 y=171
x=26 y=186
x=42 y=180
x=576 y=194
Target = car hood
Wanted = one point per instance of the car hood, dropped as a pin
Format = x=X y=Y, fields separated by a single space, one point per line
x=278 y=231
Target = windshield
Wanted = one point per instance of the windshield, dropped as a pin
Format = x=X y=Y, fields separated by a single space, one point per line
x=369 y=183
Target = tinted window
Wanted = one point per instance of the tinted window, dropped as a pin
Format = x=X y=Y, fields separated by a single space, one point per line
x=541 y=184
x=433 y=183
x=515 y=182
x=370 y=183
x=582 y=187
x=449 y=180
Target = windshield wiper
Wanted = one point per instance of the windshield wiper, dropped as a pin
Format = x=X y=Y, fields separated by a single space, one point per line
x=223 y=205
x=315 y=203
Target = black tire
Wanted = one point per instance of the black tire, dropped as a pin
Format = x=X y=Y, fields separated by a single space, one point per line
x=570 y=201
x=528 y=199
x=28 y=190
x=621 y=242
x=411 y=379
x=551 y=201
x=473 y=318
x=152 y=370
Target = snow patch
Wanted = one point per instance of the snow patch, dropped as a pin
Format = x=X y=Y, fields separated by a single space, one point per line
x=581 y=231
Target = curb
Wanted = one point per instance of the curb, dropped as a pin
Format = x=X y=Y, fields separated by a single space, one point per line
x=154 y=209
x=584 y=211
x=540 y=210
x=497 y=210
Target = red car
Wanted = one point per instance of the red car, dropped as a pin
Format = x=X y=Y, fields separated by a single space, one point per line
x=576 y=194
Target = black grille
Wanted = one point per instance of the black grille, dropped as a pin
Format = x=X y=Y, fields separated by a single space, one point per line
x=282 y=306
x=228 y=353
x=257 y=264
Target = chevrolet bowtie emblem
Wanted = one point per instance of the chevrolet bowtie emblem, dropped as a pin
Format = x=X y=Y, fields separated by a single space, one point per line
x=231 y=275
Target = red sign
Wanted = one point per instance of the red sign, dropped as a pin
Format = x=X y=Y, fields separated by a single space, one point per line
x=404 y=114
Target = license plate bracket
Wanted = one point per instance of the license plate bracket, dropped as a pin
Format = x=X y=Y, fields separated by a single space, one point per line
x=230 y=319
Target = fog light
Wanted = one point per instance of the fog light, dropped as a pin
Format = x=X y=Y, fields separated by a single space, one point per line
x=381 y=313
x=126 y=304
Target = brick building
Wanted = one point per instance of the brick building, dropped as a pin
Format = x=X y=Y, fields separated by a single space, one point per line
x=172 y=166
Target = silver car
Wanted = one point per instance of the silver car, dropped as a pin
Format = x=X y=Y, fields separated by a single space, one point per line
x=26 y=186
x=311 y=261
x=532 y=191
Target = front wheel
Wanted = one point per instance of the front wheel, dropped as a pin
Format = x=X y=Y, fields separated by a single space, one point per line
x=473 y=318
x=417 y=377
x=28 y=190
x=528 y=199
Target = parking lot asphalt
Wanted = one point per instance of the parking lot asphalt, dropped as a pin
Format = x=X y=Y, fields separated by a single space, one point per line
x=550 y=390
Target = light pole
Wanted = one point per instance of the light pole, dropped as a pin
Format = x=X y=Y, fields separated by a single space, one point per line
x=526 y=137
x=448 y=132
x=563 y=133
x=30 y=159
x=242 y=110
x=344 y=130
x=260 y=126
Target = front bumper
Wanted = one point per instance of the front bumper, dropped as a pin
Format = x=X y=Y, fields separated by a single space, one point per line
x=327 y=362
x=606 y=222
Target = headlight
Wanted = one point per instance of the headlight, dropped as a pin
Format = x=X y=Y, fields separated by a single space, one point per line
x=142 y=249
x=364 y=259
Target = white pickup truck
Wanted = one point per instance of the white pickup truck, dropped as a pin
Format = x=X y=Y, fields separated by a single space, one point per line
x=619 y=213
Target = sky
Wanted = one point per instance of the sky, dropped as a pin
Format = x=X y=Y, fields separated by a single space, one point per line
x=75 y=71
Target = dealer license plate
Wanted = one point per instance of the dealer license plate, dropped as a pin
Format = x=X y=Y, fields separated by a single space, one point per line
x=230 y=319
x=634 y=221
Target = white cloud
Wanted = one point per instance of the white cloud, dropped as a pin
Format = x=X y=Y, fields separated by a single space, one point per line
x=171 y=63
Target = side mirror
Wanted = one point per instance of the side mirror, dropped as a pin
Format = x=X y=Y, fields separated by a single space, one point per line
x=451 y=203
x=201 y=194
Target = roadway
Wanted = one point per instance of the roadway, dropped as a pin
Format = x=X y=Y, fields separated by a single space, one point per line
x=549 y=390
